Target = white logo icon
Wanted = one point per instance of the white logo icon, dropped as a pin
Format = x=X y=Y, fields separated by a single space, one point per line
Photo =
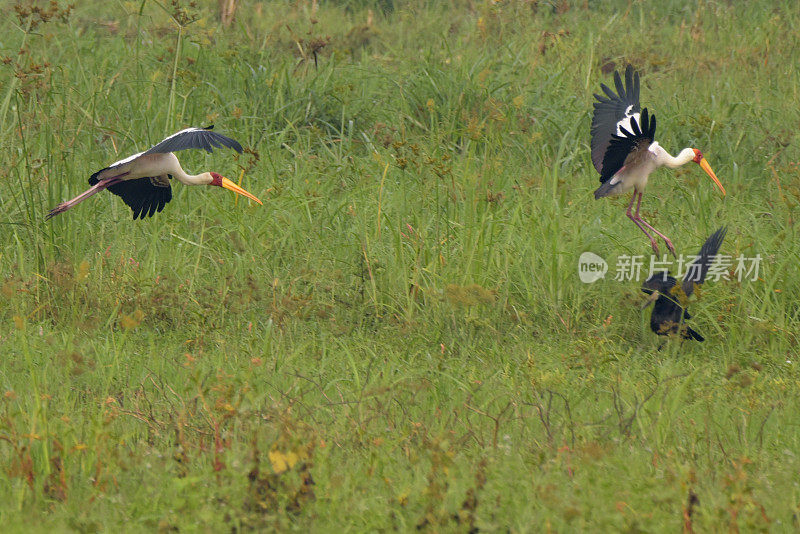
x=591 y=267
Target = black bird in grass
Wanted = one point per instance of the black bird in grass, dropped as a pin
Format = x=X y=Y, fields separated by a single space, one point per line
x=668 y=314
x=625 y=152
x=142 y=180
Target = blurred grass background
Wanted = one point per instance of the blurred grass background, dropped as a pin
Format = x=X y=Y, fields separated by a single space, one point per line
x=398 y=338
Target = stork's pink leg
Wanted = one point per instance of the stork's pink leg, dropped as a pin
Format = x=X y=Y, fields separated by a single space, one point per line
x=662 y=236
x=636 y=220
x=96 y=188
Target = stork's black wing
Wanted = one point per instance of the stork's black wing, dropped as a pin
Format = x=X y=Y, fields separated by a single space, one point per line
x=611 y=112
x=145 y=196
x=629 y=146
x=194 y=138
x=696 y=272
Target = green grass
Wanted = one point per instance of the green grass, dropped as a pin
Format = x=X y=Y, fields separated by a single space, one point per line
x=398 y=338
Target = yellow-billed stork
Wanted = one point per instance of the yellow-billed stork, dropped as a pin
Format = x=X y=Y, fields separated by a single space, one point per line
x=143 y=180
x=624 y=151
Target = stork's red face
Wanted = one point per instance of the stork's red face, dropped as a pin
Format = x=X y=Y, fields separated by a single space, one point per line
x=221 y=181
x=700 y=160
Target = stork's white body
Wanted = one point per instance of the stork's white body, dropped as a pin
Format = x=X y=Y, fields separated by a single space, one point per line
x=141 y=165
x=634 y=176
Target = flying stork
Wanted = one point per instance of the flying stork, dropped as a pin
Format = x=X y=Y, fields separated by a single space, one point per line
x=668 y=312
x=625 y=153
x=142 y=180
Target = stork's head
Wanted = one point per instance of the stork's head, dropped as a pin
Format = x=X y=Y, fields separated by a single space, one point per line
x=700 y=160
x=221 y=181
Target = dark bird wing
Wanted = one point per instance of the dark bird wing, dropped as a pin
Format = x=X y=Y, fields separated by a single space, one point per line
x=629 y=147
x=697 y=270
x=611 y=112
x=145 y=196
x=194 y=138
x=668 y=315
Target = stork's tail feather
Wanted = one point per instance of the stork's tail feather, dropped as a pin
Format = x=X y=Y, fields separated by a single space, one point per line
x=604 y=190
x=93 y=179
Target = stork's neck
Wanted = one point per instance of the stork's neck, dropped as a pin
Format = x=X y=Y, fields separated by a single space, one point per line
x=204 y=178
x=685 y=156
x=169 y=164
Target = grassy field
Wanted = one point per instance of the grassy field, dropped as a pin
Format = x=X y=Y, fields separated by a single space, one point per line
x=398 y=338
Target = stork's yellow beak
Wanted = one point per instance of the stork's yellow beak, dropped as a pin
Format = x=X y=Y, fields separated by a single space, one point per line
x=706 y=167
x=227 y=184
